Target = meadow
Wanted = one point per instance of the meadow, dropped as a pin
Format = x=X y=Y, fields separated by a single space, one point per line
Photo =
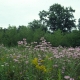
x=39 y=61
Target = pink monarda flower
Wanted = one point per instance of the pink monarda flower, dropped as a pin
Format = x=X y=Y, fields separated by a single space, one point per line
x=26 y=62
x=71 y=78
x=67 y=77
x=35 y=42
x=24 y=39
x=15 y=60
x=55 y=65
x=20 y=42
x=42 y=38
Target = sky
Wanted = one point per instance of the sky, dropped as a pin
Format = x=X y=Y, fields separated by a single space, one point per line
x=21 y=12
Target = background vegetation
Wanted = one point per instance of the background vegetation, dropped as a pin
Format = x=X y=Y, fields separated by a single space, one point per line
x=57 y=25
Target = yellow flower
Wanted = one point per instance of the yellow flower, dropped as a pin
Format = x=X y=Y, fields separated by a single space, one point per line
x=35 y=61
x=37 y=66
x=2 y=59
x=47 y=56
x=41 y=61
x=41 y=67
x=14 y=56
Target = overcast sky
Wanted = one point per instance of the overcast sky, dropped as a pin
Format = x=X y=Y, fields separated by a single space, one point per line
x=21 y=12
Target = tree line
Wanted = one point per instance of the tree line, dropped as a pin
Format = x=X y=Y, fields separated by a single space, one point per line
x=56 y=25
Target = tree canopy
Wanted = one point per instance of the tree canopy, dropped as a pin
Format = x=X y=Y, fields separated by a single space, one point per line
x=36 y=24
x=79 y=23
x=58 y=17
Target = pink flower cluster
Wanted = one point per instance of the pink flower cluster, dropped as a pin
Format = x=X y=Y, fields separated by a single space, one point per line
x=58 y=52
x=43 y=45
x=22 y=43
x=68 y=78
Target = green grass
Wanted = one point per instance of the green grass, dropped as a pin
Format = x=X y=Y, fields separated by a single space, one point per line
x=29 y=64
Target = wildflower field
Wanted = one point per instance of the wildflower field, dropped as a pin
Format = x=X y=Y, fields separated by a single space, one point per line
x=39 y=61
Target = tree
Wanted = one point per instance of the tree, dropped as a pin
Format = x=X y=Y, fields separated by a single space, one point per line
x=79 y=24
x=35 y=24
x=58 y=17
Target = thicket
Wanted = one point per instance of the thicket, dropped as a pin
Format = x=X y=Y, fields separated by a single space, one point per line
x=11 y=35
x=58 y=19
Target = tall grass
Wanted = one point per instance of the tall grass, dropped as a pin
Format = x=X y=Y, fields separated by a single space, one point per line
x=41 y=62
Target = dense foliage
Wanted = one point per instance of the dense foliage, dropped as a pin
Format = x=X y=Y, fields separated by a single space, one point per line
x=59 y=19
x=10 y=36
